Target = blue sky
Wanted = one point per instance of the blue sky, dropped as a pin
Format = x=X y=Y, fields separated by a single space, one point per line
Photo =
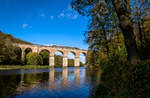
x=43 y=22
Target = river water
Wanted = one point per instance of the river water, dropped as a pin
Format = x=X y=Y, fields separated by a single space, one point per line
x=48 y=83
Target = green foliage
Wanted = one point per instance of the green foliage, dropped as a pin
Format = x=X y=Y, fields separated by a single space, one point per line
x=124 y=80
x=107 y=18
x=45 y=57
x=9 y=54
x=145 y=47
x=71 y=62
x=34 y=59
x=113 y=26
x=58 y=61
x=10 y=67
x=25 y=54
x=93 y=58
x=81 y=64
x=100 y=57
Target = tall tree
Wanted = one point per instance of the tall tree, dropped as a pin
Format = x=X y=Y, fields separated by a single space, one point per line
x=123 y=11
x=101 y=27
x=121 y=15
x=140 y=10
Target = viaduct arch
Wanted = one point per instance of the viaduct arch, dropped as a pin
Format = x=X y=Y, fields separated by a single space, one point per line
x=52 y=49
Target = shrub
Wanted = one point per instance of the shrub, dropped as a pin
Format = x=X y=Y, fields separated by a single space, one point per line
x=120 y=80
x=34 y=59
x=45 y=56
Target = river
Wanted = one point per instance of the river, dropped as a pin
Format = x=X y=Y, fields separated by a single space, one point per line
x=48 y=83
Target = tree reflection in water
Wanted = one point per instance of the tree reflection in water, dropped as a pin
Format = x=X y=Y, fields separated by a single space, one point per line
x=58 y=82
x=8 y=84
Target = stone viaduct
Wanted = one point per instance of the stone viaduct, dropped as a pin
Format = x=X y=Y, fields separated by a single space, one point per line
x=52 y=49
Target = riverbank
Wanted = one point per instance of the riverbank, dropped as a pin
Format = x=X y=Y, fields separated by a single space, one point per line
x=9 y=67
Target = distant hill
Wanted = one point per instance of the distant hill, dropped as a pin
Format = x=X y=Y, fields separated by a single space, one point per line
x=4 y=37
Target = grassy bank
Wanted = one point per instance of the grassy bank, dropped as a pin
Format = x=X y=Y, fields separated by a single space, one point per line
x=9 y=67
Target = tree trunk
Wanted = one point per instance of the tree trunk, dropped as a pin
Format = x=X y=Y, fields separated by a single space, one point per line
x=140 y=33
x=126 y=25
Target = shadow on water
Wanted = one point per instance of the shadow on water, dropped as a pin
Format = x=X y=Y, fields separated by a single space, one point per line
x=56 y=83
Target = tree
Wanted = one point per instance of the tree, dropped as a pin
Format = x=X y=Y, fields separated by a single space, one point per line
x=45 y=57
x=140 y=11
x=58 y=60
x=71 y=62
x=9 y=54
x=93 y=58
x=34 y=59
x=119 y=14
x=123 y=11
x=145 y=54
x=1 y=52
x=98 y=36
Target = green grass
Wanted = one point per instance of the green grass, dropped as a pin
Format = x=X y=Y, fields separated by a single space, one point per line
x=9 y=67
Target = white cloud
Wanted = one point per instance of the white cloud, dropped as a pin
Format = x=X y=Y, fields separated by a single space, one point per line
x=69 y=13
x=61 y=15
x=75 y=16
x=24 y=26
x=42 y=15
x=51 y=17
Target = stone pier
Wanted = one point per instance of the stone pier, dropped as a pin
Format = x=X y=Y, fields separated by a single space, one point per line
x=51 y=60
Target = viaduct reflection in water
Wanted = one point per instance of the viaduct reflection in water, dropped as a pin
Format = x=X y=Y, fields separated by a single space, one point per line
x=28 y=81
x=77 y=75
x=53 y=81
x=65 y=75
x=51 y=78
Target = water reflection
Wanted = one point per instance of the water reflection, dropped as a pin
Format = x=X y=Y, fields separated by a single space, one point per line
x=77 y=75
x=58 y=82
x=65 y=77
x=51 y=77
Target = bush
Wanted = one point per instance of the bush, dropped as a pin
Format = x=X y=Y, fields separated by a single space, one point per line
x=34 y=59
x=9 y=54
x=122 y=80
x=45 y=57
x=71 y=62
